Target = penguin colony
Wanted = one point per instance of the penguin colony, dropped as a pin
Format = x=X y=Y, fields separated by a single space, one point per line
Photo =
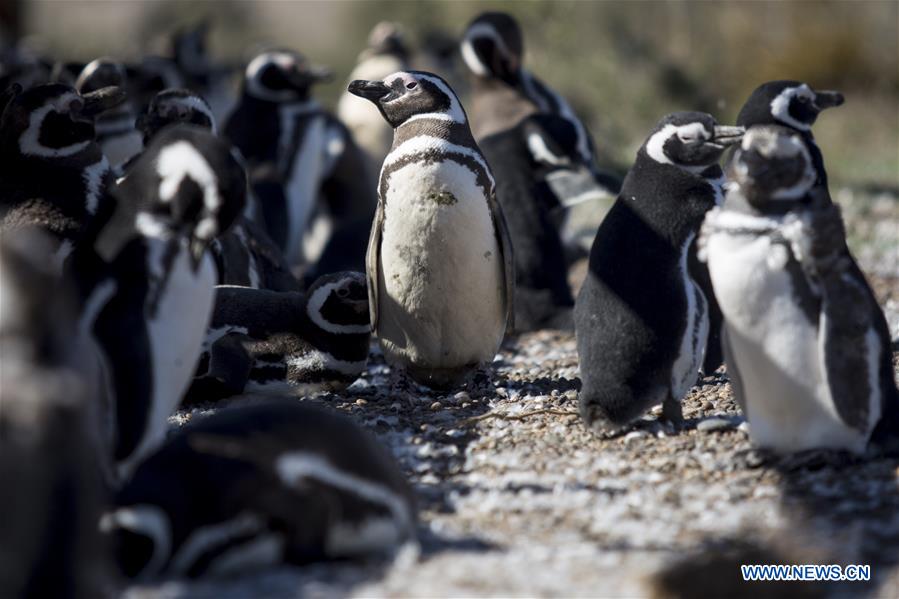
x=152 y=259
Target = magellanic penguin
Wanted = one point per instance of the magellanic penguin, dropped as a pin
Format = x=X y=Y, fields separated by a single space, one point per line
x=439 y=265
x=301 y=161
x=48 y=460
x=260 y=485
x=290 y=342
x=244 y=255
x=640 y=318
x=807 y=346
x=115 y=130
x=153 y=277
x=791 y=104
x=386 y=53
x=54 y=173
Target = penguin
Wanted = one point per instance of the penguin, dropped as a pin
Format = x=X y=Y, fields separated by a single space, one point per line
x=244 y=255
x=115 y=130
x=148 y=273
x=260 y=485
x=641 y=320
x=287 y=342
x=439 y=265
x=504 y=92
x=806 y=344
x=190 y=55
x=792 y=104
x=55 y=175
x=387 y=53
x=297 y=153
x=47 y=460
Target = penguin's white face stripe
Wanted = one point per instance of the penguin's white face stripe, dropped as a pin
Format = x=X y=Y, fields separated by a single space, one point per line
x=780 y=106
x=423 y=143
x=541 y=153
x=148 y=521
x=453 y=114
x=193 y=103
x=284 y=61
x=292 y=467
x=316 y=303
x=180 y=160
x=29 y=141
x=655 y=146
x=204 y=538
x=471 y=58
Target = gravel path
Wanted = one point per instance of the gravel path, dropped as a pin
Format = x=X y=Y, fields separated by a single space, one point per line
x=517 y=498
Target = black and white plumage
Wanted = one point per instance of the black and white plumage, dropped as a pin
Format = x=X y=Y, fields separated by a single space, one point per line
x=49 y=462
x=504 y=92
x=439 y=265
x=301 y=161
x=299 y=343
x=260 y=485
x=807 y=346
x=115 y=130
x=244 y=255
x=158 y=283
x=641 y=319
x=791 y=104
x=54 y=173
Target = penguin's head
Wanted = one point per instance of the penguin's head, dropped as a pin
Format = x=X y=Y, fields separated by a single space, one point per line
x=54 y=120
x=773 y=168
x=790 y=103
x=338 y=303
x=408 y=95
x=386 y=38
x=100 y=73
x=492 y=47
x=189 y=50
x=282 y=76
x=174 y=106
x=188 y=184
x=692 y=141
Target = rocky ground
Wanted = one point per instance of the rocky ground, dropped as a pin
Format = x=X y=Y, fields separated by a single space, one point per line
x=518 y=498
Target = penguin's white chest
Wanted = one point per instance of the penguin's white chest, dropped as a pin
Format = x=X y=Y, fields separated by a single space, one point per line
x=774 y=348
x=696 y=331
x=442 y=298
x=304 y=170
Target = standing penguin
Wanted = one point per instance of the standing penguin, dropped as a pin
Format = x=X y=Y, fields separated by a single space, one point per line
x=54 y=173
x=296 y=152
x=115 y=130
x=158 y=283
x=386 y=53
x=439 y=264
x=807 y=346
x=260 y=485
x=301 y=343
x=640 y=318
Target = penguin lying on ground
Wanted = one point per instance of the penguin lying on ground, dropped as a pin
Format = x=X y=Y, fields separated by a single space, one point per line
x=55 y=175
x=640 y=318
x=115 y=130
x=259 y=485
x=244 y=255
x=791 y=104
x=297 y=153
x=261 y=340
x=386 y=53
x=807 y=346
x=49 y=544
x=440 y=270
x=153 y=278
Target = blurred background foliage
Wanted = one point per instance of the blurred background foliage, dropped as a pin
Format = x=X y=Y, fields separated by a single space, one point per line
x=622 y=64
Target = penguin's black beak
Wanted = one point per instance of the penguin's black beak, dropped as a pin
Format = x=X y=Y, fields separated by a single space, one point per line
x=101 y=100
x=828 y=99
x=370 y=90
x=727 y=136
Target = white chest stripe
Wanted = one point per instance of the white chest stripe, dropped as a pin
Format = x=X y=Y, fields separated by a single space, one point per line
x=424 y=143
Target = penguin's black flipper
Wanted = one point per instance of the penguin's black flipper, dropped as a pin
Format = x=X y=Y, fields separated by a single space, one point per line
x=229 y=366
x=714 y=356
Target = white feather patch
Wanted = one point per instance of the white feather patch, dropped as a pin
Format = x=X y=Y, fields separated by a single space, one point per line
x=179 y=160
x=314 y=310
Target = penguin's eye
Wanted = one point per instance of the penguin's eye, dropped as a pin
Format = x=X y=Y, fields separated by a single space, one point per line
x=802 y=99
x=343 y=292
x=412 y=85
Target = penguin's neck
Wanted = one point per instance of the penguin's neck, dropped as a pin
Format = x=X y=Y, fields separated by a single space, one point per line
x=497 y=106
x=451 y=131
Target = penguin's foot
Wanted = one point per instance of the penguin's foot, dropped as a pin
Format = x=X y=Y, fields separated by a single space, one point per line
x=672 y=413
x=599 y=423
x=816 y=459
